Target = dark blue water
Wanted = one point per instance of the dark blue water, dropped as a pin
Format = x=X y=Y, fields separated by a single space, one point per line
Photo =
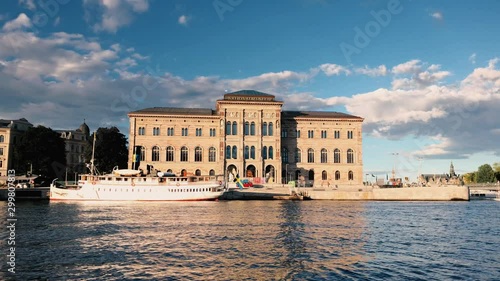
x=256 y=240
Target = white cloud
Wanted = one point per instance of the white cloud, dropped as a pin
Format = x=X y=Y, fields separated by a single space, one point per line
x=334 y=69
x=472 y=58
x=113 y=14
x=29 y=4
x=183 y=20
x=420 y=77
x=411 y=66
x=437 y=15
x=22 y=21
x=381 y=70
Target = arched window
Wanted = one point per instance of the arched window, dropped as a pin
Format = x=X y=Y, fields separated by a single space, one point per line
x=252 y=152
x=247 y=152
x=212 y=154
x=198 y=154
x=264 y=129
x=324 y=175
x=197 y=172
x=228 y=128
x=311 y=175
x=270 y=130
x=235 y=152
x=324 y=156
x=336 y=155
x=170 y=154
x=155 y=153
x=143 y=153
x=337 y=175
x=350 y=156
x=246 y=129
x=184 y=154
x=350 y=175
x=252 y=129
x=264 y=152
x=271 y=152
x=298 y=157
x=228 y=152
x=211 y=173
x=235 y=128
x=284 y=155
x=310 y=155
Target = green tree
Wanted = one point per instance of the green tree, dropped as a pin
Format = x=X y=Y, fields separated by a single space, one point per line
x=496 y=168
x=110 y=149
x=485 y=174
x=42 y=149
x=469 y=178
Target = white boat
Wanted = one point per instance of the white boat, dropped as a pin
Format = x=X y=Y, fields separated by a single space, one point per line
x=114 y=187
x=482 y=194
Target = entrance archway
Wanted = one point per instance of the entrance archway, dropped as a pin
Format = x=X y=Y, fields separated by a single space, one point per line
x=251 y=171
x=270 y=175
x=232 y=171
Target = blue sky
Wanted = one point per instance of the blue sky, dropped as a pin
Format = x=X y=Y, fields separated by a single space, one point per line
x=424 y=74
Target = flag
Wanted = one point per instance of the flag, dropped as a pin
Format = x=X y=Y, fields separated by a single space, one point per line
x=238 y=182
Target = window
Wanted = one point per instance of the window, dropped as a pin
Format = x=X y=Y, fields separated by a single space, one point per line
x=211 y=154
x=247 y=152
x=184 y=154
x=310 y=134
x=284 y=133
x=323 y=134
x=198 y=154
x=1 y=163
x=336 y=155
x=311 y=175
x=264 y=129
x=270 y=130
x=252 y=129
x=211 y=173
x=212 y=133
x=298 y=157
x=197 y=172
x=235 y=152
x=170 y=154
x=235 y=128
x=337 y=175
x=297 y=133
x=228 y=152
x=228 y=128
x=310 y=155
x=184 y=132
x=349 y=134
x=246 y=128
x=155 y=154
x=156 y=131
x=284 y=156
x=336 y=134
x=142 y=132
x=270 y=152
x=324 y=175
x=324 y=156
x=170 y=132
x=350 y=175
x=350 y=156
x=1 y=150
x=252 y=152
x=143 y=153
x=264 y=152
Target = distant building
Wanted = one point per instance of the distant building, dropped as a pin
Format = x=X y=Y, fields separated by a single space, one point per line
x=250 y=134
x=10 y=131
x=451 y=178
x=75 y=142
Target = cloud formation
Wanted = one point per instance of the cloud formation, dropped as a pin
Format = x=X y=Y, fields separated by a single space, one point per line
x=110 y=15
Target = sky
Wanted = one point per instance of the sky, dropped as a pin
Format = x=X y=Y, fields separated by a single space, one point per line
x=424 y=75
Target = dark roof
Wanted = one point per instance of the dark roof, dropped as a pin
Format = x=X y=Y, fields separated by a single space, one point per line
x=7 y=122
x=249 y=93
x=318 y=114
x=175 y=111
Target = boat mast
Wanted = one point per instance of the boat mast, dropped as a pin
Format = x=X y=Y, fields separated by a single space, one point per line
x=92 y=159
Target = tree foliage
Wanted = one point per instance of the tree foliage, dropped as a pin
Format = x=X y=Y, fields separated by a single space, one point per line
x=110 y=149
x=485 y=174
x=469 y=178
x=42 y=149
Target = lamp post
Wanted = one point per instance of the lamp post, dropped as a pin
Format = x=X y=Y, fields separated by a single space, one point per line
x=394 y=167
x=286 y=171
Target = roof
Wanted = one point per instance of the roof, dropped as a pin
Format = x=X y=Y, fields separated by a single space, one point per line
x=249 y=95
x=8 y=122
x=175 y=111
x=318 y=114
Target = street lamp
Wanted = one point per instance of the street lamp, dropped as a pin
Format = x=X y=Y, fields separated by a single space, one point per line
x=394 y=167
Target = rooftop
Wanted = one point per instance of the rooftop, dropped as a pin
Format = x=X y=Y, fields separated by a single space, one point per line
x=318 y=114
x=249 y=95
x=175 y=111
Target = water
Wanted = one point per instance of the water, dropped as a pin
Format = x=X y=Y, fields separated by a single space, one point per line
x=256 y=240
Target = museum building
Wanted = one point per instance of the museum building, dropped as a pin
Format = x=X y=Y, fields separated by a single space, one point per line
x=249 y=134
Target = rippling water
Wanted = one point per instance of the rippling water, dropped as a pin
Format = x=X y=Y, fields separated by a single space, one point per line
x=256 y=240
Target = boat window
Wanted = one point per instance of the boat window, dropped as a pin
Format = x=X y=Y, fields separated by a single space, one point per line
x=125 y=179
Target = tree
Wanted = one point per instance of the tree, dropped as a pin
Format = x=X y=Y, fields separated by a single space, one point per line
x=110 y=149
x=42 y=149
x=485 y=174
x=469 y=178
x=496 y=167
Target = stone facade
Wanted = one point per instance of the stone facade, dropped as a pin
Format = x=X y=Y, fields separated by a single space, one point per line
x=249 y=134
x=75 y=142
x=10 y=131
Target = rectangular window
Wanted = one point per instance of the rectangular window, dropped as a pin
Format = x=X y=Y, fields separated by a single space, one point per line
x=156 y=131
x=142 y=131
x=184 y=132
x=170 y=132
x=337 y=134
x=1 y=150
x=284 y=133
x=212 y=133
x=323 y=134
x=297 y=133
x=310 y=134
x=198 y=132
x=349 y=134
